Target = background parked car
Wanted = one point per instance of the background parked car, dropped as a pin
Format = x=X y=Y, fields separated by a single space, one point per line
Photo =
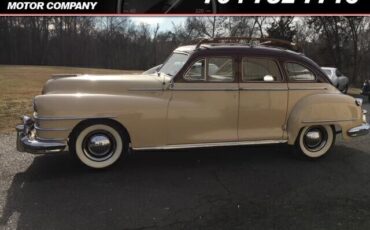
x=366 y=89
x=337 y=78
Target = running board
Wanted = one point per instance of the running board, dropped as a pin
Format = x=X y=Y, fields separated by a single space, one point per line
x=209 y=145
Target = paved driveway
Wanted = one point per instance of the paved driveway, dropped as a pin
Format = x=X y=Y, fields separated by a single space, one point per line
x=225 y=188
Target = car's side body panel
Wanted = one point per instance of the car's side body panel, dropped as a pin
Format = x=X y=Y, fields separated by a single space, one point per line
x=262 y=111
x=203 y=113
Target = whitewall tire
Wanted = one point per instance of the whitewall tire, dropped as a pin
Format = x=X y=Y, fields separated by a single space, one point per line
x=316 y=141
x=98 y=145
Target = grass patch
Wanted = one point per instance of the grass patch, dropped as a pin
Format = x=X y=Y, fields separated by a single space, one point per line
x=354 y=91
x=19 y=84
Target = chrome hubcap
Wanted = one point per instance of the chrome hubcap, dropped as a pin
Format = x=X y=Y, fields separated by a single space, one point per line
x=99 y=146
x=315 y=139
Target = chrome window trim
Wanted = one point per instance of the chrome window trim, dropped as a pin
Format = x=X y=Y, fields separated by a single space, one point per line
x=208 y=145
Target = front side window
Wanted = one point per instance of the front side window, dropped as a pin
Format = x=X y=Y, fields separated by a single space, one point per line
x=297 y=72
x=215 y=69
x=260 y=70
x=196 y=72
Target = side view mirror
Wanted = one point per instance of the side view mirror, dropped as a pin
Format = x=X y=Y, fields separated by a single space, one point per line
x=268 y=78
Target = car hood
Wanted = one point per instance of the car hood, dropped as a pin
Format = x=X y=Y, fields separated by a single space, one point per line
x=101 y=84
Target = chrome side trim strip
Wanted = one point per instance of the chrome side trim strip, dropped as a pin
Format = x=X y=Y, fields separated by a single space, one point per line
x=51 y=129
x=72 y=118
x=262 y=89
x=297 y=89
x=207 y=145
x=204 y=89
x=327 y=121
x=145 y=89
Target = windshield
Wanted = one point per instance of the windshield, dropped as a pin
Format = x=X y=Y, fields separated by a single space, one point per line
x=174 y=64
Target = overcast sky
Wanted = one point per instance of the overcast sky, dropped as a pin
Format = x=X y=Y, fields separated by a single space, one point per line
x=165 y=23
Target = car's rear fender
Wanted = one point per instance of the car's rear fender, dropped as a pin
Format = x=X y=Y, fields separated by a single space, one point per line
x=335 y=109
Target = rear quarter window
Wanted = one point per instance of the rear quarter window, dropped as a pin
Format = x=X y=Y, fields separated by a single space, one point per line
x=299 y=73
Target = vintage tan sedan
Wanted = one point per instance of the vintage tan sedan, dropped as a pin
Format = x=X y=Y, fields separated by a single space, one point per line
x=205 y=95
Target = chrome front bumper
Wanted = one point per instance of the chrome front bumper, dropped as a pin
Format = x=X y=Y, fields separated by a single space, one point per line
x=359 y=131
x=27 y=142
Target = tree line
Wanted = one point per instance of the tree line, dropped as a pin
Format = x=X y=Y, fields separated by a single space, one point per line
x=119 y=43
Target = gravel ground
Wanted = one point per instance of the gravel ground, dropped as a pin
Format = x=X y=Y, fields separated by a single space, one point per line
x=225 y=188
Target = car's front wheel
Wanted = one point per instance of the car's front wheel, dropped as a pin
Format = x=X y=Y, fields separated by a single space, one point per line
x=315 y=141
x=98 y=145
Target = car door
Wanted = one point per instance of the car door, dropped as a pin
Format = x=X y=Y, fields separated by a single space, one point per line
x=263 y=100
x=204 y=103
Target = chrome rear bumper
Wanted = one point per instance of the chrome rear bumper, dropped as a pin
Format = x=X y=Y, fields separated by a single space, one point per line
x=26 y=142
x=359 y=131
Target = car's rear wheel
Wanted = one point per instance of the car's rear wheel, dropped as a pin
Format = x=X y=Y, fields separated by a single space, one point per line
x=315 y=141
x=98 y=145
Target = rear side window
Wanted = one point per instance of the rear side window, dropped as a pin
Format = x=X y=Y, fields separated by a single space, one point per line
x=297 y=72
x=220 y=69
x=260 y=69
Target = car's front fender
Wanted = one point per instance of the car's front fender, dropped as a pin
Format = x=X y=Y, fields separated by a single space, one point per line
x=143 y=114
